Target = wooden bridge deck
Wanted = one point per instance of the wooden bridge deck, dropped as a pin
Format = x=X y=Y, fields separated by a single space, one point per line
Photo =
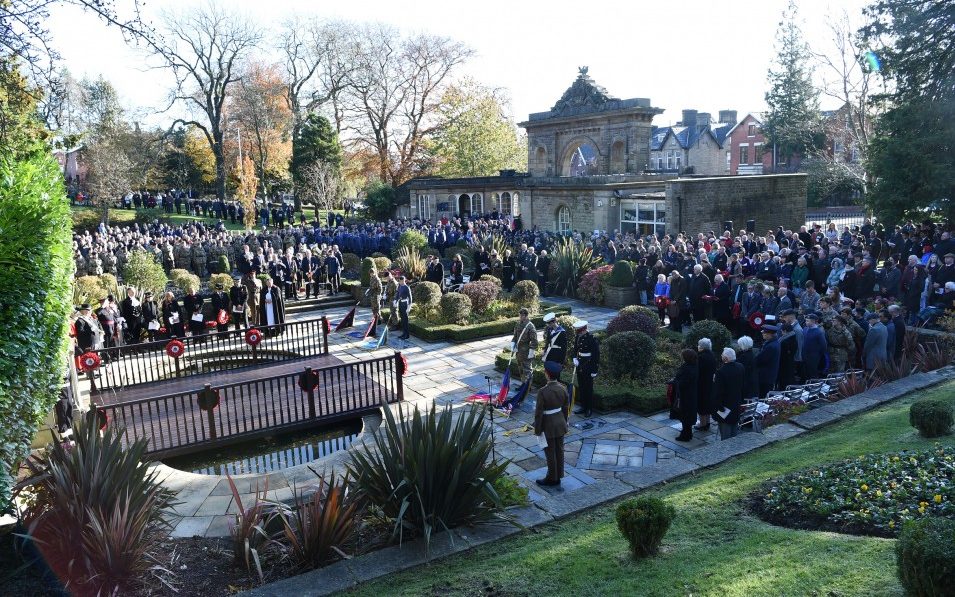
x=252 y=402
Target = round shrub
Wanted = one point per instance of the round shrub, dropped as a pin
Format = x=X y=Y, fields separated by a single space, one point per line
x=630 y=353
x=634 y=318
x=643 y=522
x=382 y=263
x=456 y=307
x=224 y=279
x=366 y=264
x=715 y=331
x=425 y=251
x=88 y=289
x=621 y=276
x=426 y=294
x=482 y=294
x=526 y=294
x=222 y=265
x=351 y=263
x=591 y=289
x=412 y=238
x=493 y=279
x=925 y=555
x=933 y=418
x=378 y=254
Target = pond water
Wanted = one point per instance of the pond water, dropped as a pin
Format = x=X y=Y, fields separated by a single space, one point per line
x=269 y=454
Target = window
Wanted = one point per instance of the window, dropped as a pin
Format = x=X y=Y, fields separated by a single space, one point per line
x=751 y=131
x=837 y=147
x=729 y=160
x=757 y=153
x=477 y=204
x=679 y=159
x=563 y=219
x=504 y=205
x=744 y=154
x=854 y=153
x=660 y=163
x=424 y=207
x=669 y=160
x=516 y=207
x=643 y=217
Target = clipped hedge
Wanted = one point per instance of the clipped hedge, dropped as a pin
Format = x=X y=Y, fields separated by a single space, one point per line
x=621 y=276
x=456 y=307
x=36 y=324
x=715 y=331
x=925 y=556
x=426 y=295
x=481 y=293
x=224 y=279
x=634 y=318
x=933 y=418
x=463 y=333
x=381 y=264
x=411 y=239
x=630 y=353
x=526 y=294
x=351 y=263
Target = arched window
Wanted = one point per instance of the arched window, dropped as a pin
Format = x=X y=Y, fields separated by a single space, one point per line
x=516 y=205
x=464 y=206
x=563 y=219
x=505 y=204
x=495 y=201
x=477 y=204
x=581 y=160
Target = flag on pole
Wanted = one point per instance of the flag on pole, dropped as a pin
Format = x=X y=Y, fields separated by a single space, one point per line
x=371 y=326
x=572 y=390
x=518 y=396
x=376 y=343
x=347 y=321
x=505 y=387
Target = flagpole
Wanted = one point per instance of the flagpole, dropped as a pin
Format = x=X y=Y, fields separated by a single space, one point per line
x=491 y=406
x=573 y=394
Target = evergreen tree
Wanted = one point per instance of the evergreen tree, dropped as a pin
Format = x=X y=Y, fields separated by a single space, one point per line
x=792 y=126
x=317 y=142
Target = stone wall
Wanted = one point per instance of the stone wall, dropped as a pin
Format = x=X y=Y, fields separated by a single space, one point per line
x=771 y=200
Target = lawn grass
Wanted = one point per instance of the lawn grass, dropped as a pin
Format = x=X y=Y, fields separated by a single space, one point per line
x=715 y=546
x=87 y=218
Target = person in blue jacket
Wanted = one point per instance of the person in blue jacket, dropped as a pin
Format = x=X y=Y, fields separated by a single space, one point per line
x=815 y=349
x=767 y=361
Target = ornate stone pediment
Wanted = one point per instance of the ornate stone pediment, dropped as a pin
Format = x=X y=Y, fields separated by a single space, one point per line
x=583 y=93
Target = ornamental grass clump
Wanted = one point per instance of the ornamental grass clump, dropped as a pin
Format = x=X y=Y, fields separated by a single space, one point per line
x=100 y=512
x=933 y=418
x=643 y=522
x=321 y=524
x=925 y=557
x=570 y=260
x=429 y=472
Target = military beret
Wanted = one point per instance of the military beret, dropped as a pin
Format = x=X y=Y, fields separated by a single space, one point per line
x=553 y=367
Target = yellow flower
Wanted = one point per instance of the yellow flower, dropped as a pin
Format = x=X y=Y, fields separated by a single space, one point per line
x=891 y=524
x=807 y=490
x=923 y=504
x=921 y=509
x=878 y=493
x=937 y=499
x=864 y=487
x=895 y=459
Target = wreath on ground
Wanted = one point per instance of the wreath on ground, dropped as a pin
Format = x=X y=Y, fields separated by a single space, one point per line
x=869 y=495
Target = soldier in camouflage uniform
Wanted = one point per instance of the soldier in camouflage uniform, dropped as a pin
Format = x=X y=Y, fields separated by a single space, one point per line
x=109 y=261
x=168 y=258
x=95 y=266
x=199 y=260
x=183 y=256
x=122 y=256
x=80 y=264
x=391 y=296
x=524 y=345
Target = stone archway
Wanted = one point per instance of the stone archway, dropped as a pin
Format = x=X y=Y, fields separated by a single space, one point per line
x=581 y=158
x=464 y=206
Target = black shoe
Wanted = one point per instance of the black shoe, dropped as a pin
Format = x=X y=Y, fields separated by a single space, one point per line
x=683 y=438
x=580 y=411
x=547 y=483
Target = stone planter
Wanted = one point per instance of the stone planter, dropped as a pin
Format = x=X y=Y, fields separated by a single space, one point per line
x=616 y=297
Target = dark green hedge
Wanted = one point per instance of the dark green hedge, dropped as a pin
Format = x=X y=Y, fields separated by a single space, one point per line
x=35 y=269
x=463 y=333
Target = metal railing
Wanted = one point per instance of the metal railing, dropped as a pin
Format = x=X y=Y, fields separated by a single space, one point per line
x=148 y=362
x=840 y=216
x=177 y=424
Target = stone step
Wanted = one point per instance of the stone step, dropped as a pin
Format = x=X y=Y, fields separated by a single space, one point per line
x=325 y=302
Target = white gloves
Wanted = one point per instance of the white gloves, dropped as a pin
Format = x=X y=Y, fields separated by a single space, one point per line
x=576 y=362
x=593 y=375
x=530 y=353
x=513 y=347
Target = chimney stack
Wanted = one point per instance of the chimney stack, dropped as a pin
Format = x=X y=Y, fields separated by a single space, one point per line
x=727 y=116
x=689 y=118
x=703 y=119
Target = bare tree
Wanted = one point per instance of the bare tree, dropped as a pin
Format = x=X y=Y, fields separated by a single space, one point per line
x=321 y=182
x=205 y=49
x=847 y=79
x=393 y=93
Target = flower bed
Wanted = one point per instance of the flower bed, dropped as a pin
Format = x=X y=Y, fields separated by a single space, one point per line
x=435 y=332
x=869 y=495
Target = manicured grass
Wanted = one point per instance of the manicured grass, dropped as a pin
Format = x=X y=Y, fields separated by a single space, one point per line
x=715 y=546
x=88 y=218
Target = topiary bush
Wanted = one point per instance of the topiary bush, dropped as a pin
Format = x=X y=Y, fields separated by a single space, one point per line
x=493 y=279
x=567 y=322
x=382 y=263
x=644 y=522
x=456 y=308
x=88 y=289
x=526 y=294
x=482 y=294
x=630 y=353
x=224 y=279
x=143 y=272
x=182 y=279
x=933 y=418
x=634 y=318
x=366 y=264
x=621 y=276
x=222 y=265
x=411 y=239
x=426 y=295
x=715 y=331
x=35 y=300
x=925 y=556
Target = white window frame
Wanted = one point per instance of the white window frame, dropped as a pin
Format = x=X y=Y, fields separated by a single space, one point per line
x=563 y=219
x=424 y=207
x=729 y=159
x=515 y=204
x=477 y=200
x=739 y=153
x=657 y=224
x=751 y=130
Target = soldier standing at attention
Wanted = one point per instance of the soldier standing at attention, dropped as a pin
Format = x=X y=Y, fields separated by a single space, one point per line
x=254 y=287
x=375 y=290
x=555 y=341
x=550 y=420
x=238 y=297
x=587 y=361
x=391 y=296
x=524 y=345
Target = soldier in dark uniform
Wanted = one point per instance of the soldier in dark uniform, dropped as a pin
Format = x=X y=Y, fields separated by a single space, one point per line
x=220 y=303
x=238 y=299
x=86 y=330
x=587 y=362
x=550 y=420
x=291 y=273
x=555 y=340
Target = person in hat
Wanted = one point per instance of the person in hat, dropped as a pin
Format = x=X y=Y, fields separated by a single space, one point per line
x=788 y=347
x=220 y=306
x=815 y=350
x=238 y=302
x=684 y=406
x=524 y=345
x=110 y=322
x=550 y=420
x=555 y=340
x=253 y=286
x=587 y=363
x=874 y=350
x=87 y=330
x=943 y=275
x=767 y=361
x=151 y=316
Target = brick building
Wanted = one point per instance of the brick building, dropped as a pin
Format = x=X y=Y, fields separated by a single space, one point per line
x=588 y=162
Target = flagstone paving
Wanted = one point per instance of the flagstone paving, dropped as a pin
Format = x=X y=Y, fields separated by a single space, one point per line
x=604 y=447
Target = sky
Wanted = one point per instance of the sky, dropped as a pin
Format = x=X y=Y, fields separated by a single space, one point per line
x=707 y=55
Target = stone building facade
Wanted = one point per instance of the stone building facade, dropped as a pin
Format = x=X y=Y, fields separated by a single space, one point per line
x=588 y=171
